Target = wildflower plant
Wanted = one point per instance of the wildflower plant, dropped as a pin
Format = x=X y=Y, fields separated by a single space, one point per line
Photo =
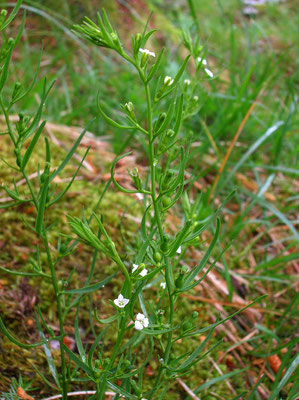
x=159 y=255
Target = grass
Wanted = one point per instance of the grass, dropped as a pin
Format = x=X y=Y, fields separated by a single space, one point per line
x=256 y=70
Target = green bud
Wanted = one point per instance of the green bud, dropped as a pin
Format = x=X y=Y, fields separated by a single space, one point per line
x=106 y=362
x=129 y=108
x=180 y=279
x=157 y=256
x=168 y=176
x=11 y=42
x=97 y=374
x=170 y=133
x=126 y=363
x=165 y=243
x=166 y=201
x=194 y=314
x=16 y=90
x=187 y=326
x=135 y=387
x=168 y=81
x=144 y=59
x=159 y=121
x=3 y=13
x=18 y=156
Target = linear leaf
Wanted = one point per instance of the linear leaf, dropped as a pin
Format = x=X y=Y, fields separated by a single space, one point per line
x=32 y=145
x=91 y=288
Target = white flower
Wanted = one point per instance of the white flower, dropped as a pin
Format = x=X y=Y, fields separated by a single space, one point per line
x=168 y=81
x=195 y=98
x=179 y=250
x=187 y=82
x=143 y=272
x=141 y=322
x=148 y=52
x=163 y=285
x=208 y=72
x=203 y=60
x=135 y=266
x=121 y=302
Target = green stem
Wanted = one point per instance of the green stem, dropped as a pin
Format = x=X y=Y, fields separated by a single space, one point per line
x=60 y=316
x=121 y=332
x=151 y=158
x=9 y=128
x=169 y=338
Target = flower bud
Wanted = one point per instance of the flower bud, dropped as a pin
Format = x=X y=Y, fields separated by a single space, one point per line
x=135 y=387
x=168 y=81
x=97 y=374
x=157 y=256
x=18 y=156
x=166 y=201
x=3 y=15
x=134 y=173
x=16 y=90
x=144 y=59
x=187 y=326
x=170 y=133
x=180 y=279
x=129 y=108
x=159 y=121
x=165 y=243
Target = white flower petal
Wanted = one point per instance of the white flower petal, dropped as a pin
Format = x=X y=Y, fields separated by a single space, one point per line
x=208 y=72
x=163 y=285
x=204 y=61
x=143 y=272
x=148 y=52
x=121 y=302
x=140 y=317
x=135 y=266
x=145 y=322
x=138 y=325
x=179 y=250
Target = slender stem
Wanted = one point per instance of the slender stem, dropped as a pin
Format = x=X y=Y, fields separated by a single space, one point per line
x=151 y=158
x=60 y=316
x=169 y=338
x=10 y=131
x=120 y=335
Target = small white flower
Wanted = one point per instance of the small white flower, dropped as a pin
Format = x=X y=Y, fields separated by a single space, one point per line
x=187 y=82
x=203 y=60
x=141 y=322
x=135 y=266
x=163 y=285
x=208 y=72
x=121 y=302
x=143 y=272
x=148 y=52
x=179 y=250
x=168 y=81
x=195 y=98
